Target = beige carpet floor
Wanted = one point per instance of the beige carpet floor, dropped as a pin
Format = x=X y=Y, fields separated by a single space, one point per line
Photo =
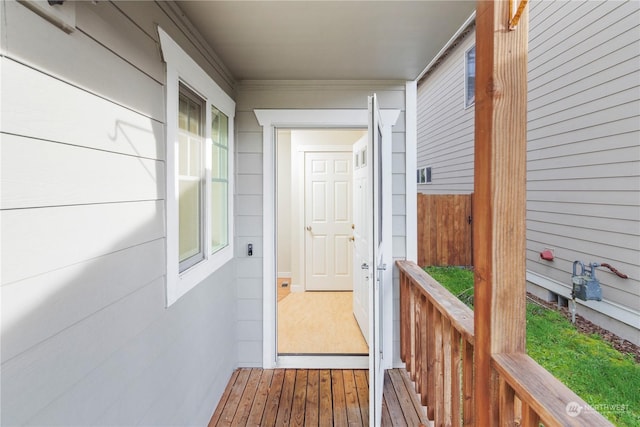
x=319 y=323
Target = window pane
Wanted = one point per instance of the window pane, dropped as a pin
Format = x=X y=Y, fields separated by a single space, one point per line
x=190 y=178
x=219 y=127
x=215 y=161
x=219 y=221
x=183 y=114
x=219 y=234
x=183 y=153
x=189 y=218
x=470 y=77
x=194 y=118
x=224 y=156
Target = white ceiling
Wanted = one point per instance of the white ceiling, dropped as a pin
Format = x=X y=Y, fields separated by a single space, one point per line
x=327 y=40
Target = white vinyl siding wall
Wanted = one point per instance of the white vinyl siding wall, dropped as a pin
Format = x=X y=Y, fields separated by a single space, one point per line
x=86 y=337
x=297 y=95
x=583 y=190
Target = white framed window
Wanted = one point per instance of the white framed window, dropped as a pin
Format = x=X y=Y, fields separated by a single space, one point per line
x=199 y=172
x=423 y=175
x=470 y=77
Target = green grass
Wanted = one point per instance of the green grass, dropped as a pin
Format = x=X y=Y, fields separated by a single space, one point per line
x=605 y=378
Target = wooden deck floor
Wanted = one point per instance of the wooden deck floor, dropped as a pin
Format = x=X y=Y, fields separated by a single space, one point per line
x=324 y=397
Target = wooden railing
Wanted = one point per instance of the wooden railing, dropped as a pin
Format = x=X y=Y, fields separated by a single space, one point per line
x=437 y=346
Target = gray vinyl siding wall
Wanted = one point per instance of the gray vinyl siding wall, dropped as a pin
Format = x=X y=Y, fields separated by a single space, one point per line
x=86 y=337
x=297 y=95
x=445 y=127
x=583 y=189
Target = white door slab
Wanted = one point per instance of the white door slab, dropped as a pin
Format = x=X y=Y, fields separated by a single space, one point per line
x=378 y=282
x=328 y=219
x=361 y=234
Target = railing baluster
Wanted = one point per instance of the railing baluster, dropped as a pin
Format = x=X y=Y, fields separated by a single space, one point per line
x=506 y=398
x=446 y=370
x=404 y=279
x=438 y=369
x=419 y=328
x=467 y=383
x=456 y=378
x=424 y=390
x=431 y=377
x=529 y=416
x=412 y=321
x=517 y=410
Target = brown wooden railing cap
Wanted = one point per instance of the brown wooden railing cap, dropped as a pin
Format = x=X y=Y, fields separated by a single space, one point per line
x=554 y=402
x=460 y=315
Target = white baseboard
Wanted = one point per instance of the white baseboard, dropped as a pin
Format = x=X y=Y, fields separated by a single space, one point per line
x=297 y=288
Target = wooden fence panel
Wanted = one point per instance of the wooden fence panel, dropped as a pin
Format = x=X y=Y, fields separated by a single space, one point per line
x=445 y=229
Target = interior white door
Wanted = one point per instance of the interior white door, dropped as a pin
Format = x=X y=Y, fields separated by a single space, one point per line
x=328 y=220
x=376 y=266
x=361 y=234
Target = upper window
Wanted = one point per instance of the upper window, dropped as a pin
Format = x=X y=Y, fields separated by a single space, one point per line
x=423 y=175
x=470 y=77
x=200 y=117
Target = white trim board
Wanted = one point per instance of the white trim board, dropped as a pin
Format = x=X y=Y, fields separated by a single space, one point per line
x=270 y=120
x=411 y=189
x=329 y=361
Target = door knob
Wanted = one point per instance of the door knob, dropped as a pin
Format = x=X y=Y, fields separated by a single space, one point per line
x=308 y=228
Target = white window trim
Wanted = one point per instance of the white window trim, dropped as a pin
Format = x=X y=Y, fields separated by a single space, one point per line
x=182 y=68
x=466 y=71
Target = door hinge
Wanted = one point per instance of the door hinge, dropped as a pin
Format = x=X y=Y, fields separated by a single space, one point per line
x=469 y=219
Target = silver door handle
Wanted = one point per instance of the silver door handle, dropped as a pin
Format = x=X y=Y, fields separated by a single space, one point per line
x=382 y=267
x=309 y=228
x=364 y=266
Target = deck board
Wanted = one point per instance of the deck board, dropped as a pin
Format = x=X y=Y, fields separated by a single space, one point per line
x=326 y=397
x=313 y=398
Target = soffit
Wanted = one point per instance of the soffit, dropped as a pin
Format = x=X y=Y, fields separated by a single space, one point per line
x=326 y=40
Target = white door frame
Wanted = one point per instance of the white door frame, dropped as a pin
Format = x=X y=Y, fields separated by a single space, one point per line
x=270 y=120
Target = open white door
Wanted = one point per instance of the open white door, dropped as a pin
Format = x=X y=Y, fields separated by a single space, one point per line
x=362 y=237
x=376 y=266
